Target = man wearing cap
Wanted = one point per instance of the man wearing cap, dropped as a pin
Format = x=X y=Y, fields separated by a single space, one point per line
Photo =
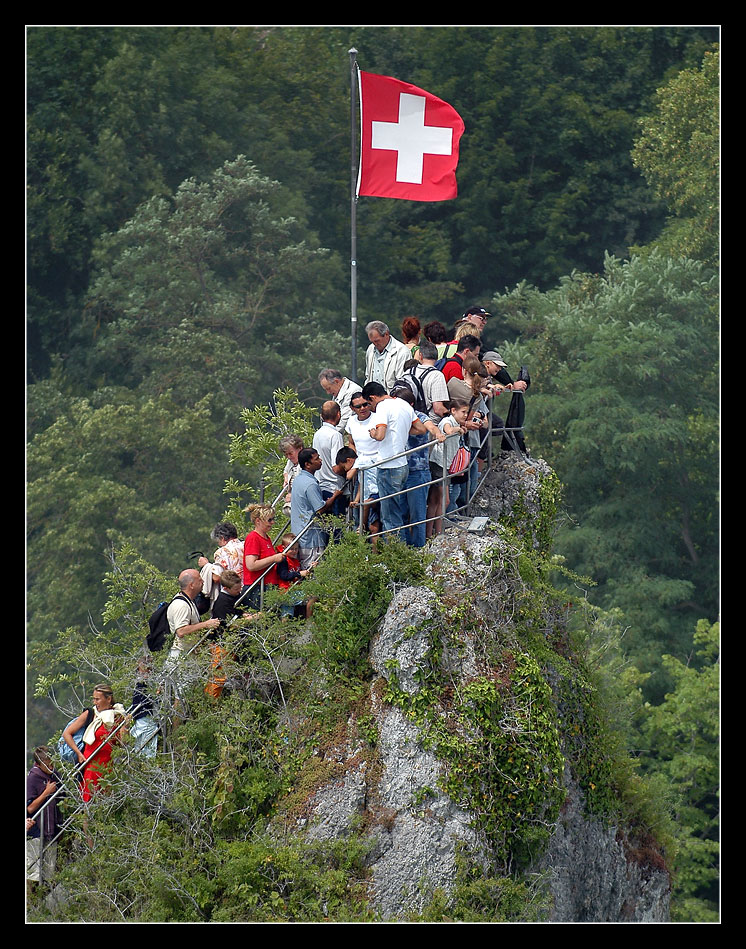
x=498 y=370
x=477 y=315
x=495 y=366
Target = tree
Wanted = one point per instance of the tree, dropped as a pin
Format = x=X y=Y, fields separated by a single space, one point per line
x=680 y=748
x=627 y=415
x=678 y=151
x=201 y=289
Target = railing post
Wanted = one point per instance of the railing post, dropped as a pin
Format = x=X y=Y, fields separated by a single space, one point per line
x=361 y=507
x=443 y=495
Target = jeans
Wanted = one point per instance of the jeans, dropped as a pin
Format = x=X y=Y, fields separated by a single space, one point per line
x=458 y=494
x=417 y=506
x=393 y=510
x=473 y=472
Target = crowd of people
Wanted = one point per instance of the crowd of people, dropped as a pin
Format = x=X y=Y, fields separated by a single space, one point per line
x=395 y=453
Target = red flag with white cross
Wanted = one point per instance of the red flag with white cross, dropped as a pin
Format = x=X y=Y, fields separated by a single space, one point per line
x=409 y=141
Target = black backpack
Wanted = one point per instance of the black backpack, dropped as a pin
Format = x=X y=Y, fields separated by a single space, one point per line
x=158 y=623
x=414 y=382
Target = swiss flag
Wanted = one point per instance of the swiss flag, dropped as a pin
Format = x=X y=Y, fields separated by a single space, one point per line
x=409 y=141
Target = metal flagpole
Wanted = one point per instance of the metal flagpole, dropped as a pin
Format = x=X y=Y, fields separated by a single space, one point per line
x=353 y=213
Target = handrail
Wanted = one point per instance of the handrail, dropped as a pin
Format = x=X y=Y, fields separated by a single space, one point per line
x=81 y=765
x=508 y=431
x=487 y=437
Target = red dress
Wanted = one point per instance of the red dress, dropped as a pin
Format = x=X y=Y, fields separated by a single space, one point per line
x=92 y=770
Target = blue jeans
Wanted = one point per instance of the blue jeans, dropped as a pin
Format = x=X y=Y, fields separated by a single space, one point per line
x=458 y=494
x=393 y=510
x=417 y=506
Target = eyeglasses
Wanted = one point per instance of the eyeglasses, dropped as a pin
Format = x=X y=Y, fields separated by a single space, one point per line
x=360 y=405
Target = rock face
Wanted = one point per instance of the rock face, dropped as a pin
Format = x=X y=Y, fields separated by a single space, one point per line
x=597 y=876
x=414 y=826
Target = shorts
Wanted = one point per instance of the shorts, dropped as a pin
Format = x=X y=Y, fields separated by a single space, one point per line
x=309 y=555
x=34 y=864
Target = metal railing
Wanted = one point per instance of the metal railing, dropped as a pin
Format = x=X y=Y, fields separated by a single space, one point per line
x=78 y=769
x=446 y=477
x=508 y=433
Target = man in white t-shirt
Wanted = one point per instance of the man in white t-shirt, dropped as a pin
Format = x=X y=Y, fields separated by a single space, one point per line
x=391 y=424
x=431 y=380
x=184 y=621
x=327 y=441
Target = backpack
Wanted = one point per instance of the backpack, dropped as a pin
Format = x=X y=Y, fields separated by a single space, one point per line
x=158 y=623
x=414 y=382
x=443 y=360
x=64 y=751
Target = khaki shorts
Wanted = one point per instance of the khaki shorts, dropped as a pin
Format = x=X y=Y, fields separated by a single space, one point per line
x=33 y=864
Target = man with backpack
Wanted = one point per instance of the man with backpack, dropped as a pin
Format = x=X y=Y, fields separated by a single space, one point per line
x=428 y=384
x=467 y=345
x=183 y=616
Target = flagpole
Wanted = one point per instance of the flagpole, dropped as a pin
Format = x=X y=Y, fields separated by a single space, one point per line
x=353 y=212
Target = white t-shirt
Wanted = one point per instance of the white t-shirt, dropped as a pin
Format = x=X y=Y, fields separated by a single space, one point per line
x=366 y=448
x=397 y=415
x=181 y=612
x=327 y=441
x=434 y=387
x=442 y=454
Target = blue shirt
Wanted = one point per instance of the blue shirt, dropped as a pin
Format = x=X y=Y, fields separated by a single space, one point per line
x=305 y=500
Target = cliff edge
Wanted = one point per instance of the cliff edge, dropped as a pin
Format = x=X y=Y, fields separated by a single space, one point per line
x=477 y=754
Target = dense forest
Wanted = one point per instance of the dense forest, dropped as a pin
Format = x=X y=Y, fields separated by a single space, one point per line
x=188 y=230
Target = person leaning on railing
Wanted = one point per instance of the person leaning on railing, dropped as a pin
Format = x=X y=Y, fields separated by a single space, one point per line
x=441 y=456
x=42 y=816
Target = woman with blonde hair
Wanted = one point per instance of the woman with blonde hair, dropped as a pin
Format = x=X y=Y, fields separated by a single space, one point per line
x=102 y=720
x=259 y=553
x=467 y=329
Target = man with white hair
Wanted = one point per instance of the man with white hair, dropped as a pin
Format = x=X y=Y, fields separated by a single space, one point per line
x=385 y=357
x=341 y=390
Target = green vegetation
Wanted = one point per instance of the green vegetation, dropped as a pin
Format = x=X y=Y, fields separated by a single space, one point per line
x=188 y=227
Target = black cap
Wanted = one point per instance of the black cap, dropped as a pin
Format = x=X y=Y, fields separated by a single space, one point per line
x=477 y=311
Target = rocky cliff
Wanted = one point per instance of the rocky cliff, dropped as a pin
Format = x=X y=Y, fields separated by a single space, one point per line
x=479 y=744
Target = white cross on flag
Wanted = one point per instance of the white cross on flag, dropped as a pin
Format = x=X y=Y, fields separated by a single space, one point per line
x=409 y=141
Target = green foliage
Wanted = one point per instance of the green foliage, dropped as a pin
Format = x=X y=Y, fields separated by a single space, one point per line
x=627 y=417
x=353 y=585
x=480 y=897
x=680 y=749
x=678 y=151
x=200 y=286
x=257 y=448
x=109 y=471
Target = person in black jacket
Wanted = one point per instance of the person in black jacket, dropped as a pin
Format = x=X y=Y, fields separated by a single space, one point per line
x=498 y=371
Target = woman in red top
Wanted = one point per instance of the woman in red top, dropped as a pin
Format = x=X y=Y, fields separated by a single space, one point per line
x=96 y=755
x=258 y=551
